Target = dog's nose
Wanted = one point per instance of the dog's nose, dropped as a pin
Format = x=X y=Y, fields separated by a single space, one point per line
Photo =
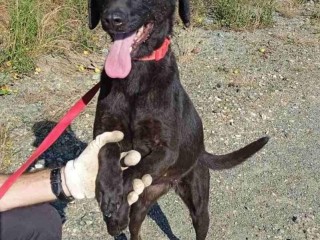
x=116 y=19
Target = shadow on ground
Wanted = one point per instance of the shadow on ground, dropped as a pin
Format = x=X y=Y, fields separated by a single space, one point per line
x=157 y=215
x=67 y=147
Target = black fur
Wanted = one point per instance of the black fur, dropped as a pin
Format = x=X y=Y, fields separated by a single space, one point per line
x=158 y=119
x=184 y=12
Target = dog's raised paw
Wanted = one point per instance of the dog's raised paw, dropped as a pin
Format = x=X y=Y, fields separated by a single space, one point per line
x=109 y=195
x=118 y=222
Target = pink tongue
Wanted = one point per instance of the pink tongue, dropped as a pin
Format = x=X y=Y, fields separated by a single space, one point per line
x=118 y=62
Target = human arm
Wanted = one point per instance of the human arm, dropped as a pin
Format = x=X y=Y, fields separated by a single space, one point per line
x=30 y=188
x=77 y=178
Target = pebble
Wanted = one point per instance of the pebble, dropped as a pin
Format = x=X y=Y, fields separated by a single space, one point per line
x=295 y=219
x=263 y=116
x=105 y=50
x=253 y=114
x=96 y=77
x=89 y=222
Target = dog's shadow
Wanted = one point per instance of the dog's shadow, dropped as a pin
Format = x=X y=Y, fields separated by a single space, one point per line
x=157 y=215
x=69 y=146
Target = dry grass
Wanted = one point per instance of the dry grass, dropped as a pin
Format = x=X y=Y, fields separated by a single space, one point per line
x=187 y=43
x=234 y=14
x=30 y=28
x=289 y=8
x=315 y=16
x=4 y=29
x=299 y=39
x=35 y=27
x=4 y=19
x=6 y=148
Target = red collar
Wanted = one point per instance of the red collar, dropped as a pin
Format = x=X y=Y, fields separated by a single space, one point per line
x=159 y=53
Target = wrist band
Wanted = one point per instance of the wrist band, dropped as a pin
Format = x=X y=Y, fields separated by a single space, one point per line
x=56 y=187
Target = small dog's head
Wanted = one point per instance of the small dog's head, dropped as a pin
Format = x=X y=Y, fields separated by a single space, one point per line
x=139 y=25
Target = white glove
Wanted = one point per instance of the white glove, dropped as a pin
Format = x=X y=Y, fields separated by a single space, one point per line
x=81 y=173
x=138 y=187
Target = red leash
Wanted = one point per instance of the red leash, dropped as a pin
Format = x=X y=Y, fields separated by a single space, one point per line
x=55 y=133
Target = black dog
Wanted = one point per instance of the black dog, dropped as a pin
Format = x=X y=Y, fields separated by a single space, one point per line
x=141 y=95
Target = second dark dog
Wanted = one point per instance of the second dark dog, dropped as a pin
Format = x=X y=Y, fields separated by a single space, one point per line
x=141 y=95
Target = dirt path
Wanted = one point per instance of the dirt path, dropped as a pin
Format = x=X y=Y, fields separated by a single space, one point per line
x=244 y=85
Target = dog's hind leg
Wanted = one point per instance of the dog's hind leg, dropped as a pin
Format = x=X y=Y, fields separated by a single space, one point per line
x=140 y=209
x=194 y=191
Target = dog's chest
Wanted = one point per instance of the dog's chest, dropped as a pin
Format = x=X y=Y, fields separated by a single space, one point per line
x=147 y=118
x=148 y=122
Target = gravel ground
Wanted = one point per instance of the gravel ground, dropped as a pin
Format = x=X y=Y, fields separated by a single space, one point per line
x=244 y=85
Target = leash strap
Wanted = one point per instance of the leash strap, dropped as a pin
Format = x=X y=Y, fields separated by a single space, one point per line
x=55 y=133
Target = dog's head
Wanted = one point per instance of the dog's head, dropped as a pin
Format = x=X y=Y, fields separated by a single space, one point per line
x=137 y=27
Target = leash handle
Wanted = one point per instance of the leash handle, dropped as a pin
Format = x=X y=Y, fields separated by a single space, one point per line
x=55 y=133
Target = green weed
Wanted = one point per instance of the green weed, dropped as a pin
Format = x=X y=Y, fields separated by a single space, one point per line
x=236 y=14
x=316 y=13
x=35 y=27
x=6 y=148
x=30 y=28
x=23 y=28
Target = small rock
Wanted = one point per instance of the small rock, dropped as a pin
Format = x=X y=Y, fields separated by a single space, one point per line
x=218 y=99
x=253 y=114
x=208 y=21
x=96 y=77
x=89 y=222
x=105 y=50
x=263 y=116
x=295 y=219
x=196 y=50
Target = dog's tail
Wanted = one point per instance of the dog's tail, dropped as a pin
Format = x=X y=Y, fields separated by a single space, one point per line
x=230 y=160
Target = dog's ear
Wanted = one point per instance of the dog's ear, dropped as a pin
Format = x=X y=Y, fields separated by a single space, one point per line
x=184 y=12
x=94 y=13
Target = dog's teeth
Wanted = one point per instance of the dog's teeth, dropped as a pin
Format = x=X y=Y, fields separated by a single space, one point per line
x=140 y=31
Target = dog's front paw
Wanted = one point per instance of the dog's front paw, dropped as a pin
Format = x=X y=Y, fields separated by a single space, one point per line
x=119 y=221
x=109 y=193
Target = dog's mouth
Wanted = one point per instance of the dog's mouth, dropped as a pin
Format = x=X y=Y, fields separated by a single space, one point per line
x=118 y=62
x=142 y=35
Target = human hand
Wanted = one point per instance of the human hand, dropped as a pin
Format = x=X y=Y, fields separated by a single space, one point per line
x=81 y=173
x=138 y=187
